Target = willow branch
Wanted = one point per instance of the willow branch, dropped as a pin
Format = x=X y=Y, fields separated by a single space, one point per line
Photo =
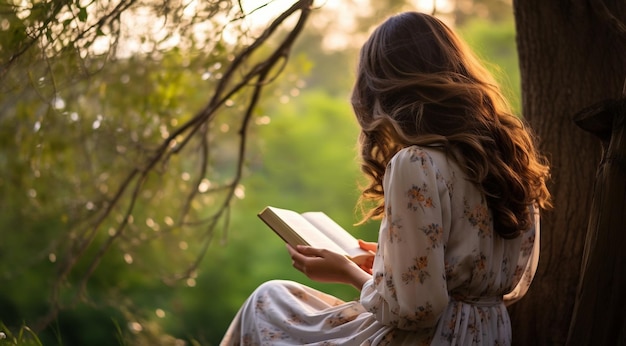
x=281 y=53
x=138 y=176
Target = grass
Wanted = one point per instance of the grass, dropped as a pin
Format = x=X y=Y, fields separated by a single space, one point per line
x=23 y=336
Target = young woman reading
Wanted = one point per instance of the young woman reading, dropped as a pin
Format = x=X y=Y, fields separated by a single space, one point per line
x=458 y=184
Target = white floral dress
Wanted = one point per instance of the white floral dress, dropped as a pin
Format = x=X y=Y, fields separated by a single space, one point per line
x=441 y=275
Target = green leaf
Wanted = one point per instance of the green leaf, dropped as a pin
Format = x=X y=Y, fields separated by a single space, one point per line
x=82 y=14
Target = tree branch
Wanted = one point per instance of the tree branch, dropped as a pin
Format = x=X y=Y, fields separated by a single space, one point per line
x=256 y=77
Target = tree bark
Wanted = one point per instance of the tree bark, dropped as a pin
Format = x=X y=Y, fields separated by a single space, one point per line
x=598 y=317
x=571 y=55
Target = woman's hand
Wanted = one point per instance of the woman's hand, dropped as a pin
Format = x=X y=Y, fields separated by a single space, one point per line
x=368 y=246
x=327 y=266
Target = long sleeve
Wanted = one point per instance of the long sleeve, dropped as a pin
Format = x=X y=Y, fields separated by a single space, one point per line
x=408 y=288
x=523 y=285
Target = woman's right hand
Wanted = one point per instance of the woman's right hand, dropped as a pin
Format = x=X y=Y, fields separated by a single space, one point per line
x=368 y=246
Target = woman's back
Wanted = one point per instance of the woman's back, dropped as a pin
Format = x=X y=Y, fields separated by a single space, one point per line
x=441 y=271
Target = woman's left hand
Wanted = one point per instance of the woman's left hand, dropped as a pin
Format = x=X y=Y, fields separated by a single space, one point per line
x=326 y=266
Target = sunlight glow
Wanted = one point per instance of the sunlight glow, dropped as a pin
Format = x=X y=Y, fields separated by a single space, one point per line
x=240 y=192
x=152 y=224
x=96 y=124
x=58 y=103
x=263 y=120
x=336 y=14
x=204 y=186
x=340 y=15
x=168 y=221
x=24 y=9
x=135 y=327
x=5 y=24
x=427 y=6
x=164 y=132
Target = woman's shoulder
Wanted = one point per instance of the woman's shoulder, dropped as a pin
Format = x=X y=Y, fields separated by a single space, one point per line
x=428 y=158
x=426 y=155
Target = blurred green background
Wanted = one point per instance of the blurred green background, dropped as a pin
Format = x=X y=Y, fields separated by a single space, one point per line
x=59 y=160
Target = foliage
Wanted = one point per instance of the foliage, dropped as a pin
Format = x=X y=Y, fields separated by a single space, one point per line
x=126 y=153
x=98 y=162
x=494 y=11
x=24 y=336
x=494 y=42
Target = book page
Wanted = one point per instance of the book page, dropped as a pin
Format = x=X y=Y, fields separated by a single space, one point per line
x=335 y=232
x=295 y=229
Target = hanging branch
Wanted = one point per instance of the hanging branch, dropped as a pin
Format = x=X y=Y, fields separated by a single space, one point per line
x=196 y=127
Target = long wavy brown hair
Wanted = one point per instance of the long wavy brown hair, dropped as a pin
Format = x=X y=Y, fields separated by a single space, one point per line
x=419 y=84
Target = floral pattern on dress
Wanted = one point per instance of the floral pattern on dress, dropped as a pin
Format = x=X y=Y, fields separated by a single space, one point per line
x=439 y=273
x=342 y=317
x=294 y=318
x=273 y=335
x=261 y=304
x=298 y=293
x=416 y=272
x=478 y=216
x=527 y=245
x=418 y=198
x=394 y=228
x=434 y=233
x=422 y=157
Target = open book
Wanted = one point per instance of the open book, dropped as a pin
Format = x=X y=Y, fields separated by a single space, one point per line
x=315 y=229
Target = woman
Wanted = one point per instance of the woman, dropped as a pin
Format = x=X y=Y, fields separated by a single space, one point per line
x=458 y=184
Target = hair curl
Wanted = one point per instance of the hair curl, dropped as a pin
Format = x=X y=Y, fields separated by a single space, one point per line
x=419 y=84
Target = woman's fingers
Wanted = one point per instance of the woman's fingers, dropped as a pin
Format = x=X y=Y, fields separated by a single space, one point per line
x=296 y=258
x=319 y=264
x=302 y=255
x=291 y=250
x=310 y=251
x=301 y=252
x=369 y=246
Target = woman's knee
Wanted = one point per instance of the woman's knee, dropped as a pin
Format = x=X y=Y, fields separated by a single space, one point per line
x=275 y=286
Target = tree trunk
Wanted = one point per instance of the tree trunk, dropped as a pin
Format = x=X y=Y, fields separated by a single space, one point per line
x=571 y=56
x=600 y=301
